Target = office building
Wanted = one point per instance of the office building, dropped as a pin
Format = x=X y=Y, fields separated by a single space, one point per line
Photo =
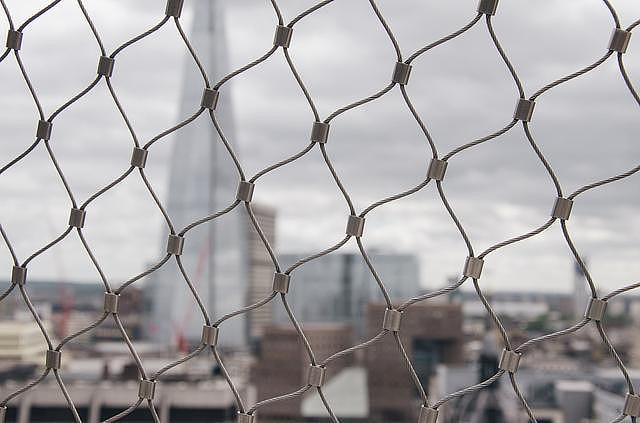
x=203 y=180
x=337 y=287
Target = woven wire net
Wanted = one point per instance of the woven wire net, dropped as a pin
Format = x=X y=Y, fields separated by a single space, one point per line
x=320 y=135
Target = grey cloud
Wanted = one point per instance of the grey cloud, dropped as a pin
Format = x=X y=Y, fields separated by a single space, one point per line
x=461 y=89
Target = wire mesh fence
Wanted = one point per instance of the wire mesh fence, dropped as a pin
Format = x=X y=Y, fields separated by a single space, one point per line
x=319 y=143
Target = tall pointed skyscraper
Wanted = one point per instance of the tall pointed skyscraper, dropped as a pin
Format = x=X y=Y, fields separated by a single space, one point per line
x=203 y=180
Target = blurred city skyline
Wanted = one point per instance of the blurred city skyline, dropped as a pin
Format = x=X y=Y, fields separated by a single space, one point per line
x=220 y=328
x=461 y=89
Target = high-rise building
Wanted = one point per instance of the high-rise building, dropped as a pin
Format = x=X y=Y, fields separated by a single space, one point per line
x=203 y=180
x=338 y=287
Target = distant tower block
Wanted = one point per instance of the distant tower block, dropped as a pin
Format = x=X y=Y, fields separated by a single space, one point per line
x=203 y=180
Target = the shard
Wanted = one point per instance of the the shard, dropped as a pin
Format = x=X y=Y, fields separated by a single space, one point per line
x=202 y=181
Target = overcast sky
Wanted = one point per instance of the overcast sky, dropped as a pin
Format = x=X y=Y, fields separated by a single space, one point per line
x=587 y=128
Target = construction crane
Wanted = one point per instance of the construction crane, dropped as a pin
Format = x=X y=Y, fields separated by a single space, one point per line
x=66 y=295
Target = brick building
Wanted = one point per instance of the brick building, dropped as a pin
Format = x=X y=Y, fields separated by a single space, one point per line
x=431 y=334
x=283 y=362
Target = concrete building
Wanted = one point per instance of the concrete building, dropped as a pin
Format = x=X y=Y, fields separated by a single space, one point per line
x=283 y=363
x=21 y=341
x=175 y=402
x=527 y=304
x=431 y=334
x=556 y=393
x=516 y=309
x=106 y=383
x=337 y=287
x=260 y=271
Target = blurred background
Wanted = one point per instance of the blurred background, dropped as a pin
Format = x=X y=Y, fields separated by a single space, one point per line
x=586 y=128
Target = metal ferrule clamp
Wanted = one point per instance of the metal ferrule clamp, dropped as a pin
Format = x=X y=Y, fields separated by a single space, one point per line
x=428 y=415
x=139 y=157
x=147 y=389
x=210 y=335
x=44 y=130
x=595 y=309
x=245 y=418
x=105 y=66
x=391 y=320
x=509 y=360
x=437 y=169
x=488 y=7
x=632 y=405
x=562 y=208
x=3 y=413
x=316 y=376
x=14 y=40
x=619 y=40
x=473 y=267
x=524 y=110
x=245 y=191
x=209 y=98
x=53 y=359
x=174 y=8
x=282 y=37
x=401 y=73
x=281 y=282
x=320 y=132
x=175 y=244
x=355 y=226
x=111 y=302
x=18 y=275
x=76 y=218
